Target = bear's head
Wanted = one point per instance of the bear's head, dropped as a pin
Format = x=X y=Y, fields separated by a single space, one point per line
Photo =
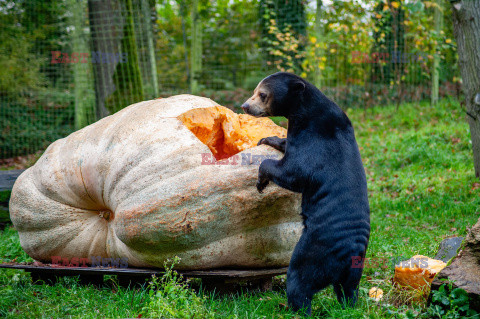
x=276 y=95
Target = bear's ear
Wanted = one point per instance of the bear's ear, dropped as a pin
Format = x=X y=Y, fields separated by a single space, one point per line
x=298 y=86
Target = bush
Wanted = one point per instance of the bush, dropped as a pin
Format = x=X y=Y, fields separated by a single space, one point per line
x=170 y=297
x=451 y=303
x=29 y=125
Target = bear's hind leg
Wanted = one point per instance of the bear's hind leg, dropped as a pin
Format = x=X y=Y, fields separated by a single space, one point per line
x=307 y=274
x=347 y=289
x=298 y=299
x=303 y=283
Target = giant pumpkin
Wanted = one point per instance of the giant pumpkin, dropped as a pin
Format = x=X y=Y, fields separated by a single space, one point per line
x=145 y=184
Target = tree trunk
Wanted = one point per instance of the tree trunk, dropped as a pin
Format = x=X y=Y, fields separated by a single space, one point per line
x=127 y=77
x=147 y=40
x=466 y=26
x=183 y=17
x=106 y=24
x=196 y=53
x=82 y=72
x=318 y=49
x=463 y=271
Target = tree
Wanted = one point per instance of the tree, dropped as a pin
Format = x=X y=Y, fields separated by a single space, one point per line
x=319 y=37
x=466 y=26
x=284 y=29
x=41 y=21
x=106 y=22
x=196 y=49
x=438 y=22
x=172 y=45
x=17 y=46
x=234 y=48
x=84 y=90
x=146 y=43
x=127 y=77
x=389 y=38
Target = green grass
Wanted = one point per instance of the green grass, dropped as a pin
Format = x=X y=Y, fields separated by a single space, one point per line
x=422 y=189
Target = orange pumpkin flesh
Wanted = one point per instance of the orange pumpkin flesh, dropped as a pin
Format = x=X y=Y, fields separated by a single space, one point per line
x=227 y=133
x=417 y=272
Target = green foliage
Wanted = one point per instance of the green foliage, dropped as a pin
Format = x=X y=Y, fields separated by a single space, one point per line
x=243 y=41
x=389 y=37
x=171 y=46
x=4 y=196
x=343 y=33
x=354 y=32
x=4 y=214
x=451 y=303
x=43 y=23
x=20 y=67
x=170 y=297
x=228 y=40
x=34 y=103
x=283 y=39
x=231 y=99
x=28 y=125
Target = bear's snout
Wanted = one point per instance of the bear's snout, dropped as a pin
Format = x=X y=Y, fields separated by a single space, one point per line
x=254 y=109
x=246 y=107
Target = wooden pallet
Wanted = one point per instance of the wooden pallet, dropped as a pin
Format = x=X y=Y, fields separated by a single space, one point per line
x=221 y=280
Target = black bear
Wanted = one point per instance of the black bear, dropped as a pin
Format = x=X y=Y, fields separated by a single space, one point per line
x=321 y=161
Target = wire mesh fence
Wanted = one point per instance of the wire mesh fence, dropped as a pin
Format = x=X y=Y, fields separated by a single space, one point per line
x=67 y=63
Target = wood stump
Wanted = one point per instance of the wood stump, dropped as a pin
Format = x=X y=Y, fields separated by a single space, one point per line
x=464 y=271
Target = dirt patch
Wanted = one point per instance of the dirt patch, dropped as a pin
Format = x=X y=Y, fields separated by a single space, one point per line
x=19 y=162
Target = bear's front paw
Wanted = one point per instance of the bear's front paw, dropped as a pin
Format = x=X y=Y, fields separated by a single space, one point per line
x=261 y=184
x=275 y=142
x=262 y=141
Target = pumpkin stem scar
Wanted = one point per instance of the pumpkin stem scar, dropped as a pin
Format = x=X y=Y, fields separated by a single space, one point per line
x=107 y=214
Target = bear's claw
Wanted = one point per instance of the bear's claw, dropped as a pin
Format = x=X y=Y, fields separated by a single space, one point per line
x=261 y=185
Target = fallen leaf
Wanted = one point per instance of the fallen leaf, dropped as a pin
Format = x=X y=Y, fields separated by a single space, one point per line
x=375 y=293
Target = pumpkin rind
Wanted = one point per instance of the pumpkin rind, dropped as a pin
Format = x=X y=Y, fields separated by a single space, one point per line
x=133 y=185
